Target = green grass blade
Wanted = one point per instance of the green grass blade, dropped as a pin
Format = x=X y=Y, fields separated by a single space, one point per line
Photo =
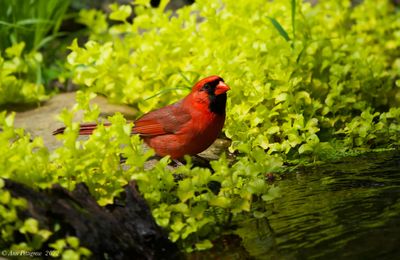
x=35 y=21
x=11 y=25
x=31 y=21
x=279 y=28
x=293 y=4
x=47 y=39
x=185 y=78
x=162 y=92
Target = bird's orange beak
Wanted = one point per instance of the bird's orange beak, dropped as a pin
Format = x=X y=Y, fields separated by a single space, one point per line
x=221 y=88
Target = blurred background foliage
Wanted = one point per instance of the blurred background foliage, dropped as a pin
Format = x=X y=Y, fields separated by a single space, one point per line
x=35 y=22
x=26 y=28
x=41 y=31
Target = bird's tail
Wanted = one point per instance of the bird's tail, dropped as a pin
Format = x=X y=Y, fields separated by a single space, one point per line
x=84 y=129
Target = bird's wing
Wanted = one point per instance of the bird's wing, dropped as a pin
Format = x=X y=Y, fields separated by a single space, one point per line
x=166 y=120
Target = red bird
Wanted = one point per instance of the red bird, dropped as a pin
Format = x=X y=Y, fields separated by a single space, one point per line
x=186 y=127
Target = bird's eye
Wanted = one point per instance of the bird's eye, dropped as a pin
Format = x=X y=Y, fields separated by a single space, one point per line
x=206 y=86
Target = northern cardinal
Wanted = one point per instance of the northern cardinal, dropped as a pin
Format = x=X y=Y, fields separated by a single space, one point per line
x=186 y=127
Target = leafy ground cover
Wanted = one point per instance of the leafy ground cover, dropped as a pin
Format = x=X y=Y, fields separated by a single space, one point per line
x=26 y=28
x=309 y=83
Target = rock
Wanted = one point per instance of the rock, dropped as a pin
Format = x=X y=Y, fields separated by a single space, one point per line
x=216 y=149
x=42 y=121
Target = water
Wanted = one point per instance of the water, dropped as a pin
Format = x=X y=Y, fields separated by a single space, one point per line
x=349 y=209
x=344 y=210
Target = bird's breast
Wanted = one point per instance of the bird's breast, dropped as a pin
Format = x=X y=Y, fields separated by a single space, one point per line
x=203 y=129
x=192 y=136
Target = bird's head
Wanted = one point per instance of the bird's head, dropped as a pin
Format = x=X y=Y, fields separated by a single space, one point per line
x=212 y=92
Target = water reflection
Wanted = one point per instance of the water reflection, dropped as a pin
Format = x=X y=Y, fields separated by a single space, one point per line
x=350 y=209
x=344 y=210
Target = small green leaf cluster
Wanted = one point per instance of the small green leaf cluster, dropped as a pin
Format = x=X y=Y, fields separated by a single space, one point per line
x=96 y=161
x=20 y=76
x=21 y=158
x=9 y=216
x=11 y=224
x=69 y=248
x=196 y=205
x=25 y=28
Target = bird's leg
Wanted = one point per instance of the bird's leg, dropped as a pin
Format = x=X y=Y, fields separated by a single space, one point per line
x=177 y=162
x=201 y=161
x=122 y=159
x=177 y=176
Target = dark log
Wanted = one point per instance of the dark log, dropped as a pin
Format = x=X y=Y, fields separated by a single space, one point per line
x=123 y=230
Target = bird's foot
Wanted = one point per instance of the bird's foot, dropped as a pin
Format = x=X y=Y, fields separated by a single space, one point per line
x=177 y=162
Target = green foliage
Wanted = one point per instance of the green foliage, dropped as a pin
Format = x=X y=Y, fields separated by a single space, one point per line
x=186 y=206
x=11 y=224
x=70 y=249
x=306 y=80
x=308 y=83
x=195 y=209
x=25 y=28
x=21 y=158
x=9 y=216
x=184 y=201
x=20 y=76
x=96 y=161
x=35 y=22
